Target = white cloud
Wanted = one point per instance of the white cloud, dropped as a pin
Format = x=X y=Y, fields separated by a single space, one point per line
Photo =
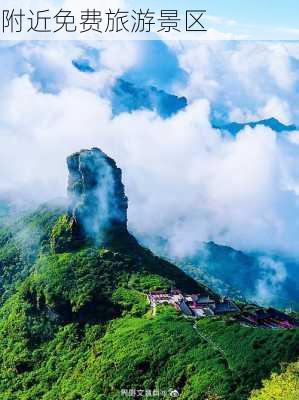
x=273 y=275
x=276 y=108
x=242 y=79
x=50 y=63
x=220 y=20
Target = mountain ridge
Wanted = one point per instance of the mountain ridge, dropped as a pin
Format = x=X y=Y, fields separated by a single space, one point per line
x=235 y=127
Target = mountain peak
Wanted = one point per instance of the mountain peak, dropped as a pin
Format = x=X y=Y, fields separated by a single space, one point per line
x=126 y=97
x=98 y=203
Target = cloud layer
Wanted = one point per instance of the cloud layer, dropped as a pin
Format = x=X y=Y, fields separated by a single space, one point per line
x=185 y=181
x=243 y=80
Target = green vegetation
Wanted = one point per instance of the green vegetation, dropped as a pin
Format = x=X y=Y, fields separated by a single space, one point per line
x=62 y=235
x=250 y=353
x=75 y=324
x=280 y=386
x=20 y=243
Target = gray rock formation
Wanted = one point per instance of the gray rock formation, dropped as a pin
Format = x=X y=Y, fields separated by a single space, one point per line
x=98 y=203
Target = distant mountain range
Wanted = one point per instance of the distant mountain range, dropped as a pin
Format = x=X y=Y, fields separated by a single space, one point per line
x=240 y=275
x=127 y=97
x=234 y=127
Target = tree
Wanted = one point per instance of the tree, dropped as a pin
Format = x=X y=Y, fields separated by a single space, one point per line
x=284 y=386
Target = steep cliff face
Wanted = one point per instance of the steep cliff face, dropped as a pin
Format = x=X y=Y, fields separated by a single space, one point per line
x=98 y=203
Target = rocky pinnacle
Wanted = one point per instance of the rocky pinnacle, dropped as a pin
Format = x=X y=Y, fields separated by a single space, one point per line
x=96 y=193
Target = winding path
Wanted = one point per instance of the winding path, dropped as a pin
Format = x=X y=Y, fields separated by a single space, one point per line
x=210 y=341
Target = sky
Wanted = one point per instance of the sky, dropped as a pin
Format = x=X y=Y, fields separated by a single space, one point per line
x=260 y=15
x=264 y=12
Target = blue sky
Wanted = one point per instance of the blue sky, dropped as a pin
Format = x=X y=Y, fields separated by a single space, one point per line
x=259 y=19
x=262 y=12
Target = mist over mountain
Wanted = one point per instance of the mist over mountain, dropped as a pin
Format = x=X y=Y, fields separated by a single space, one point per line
x=202 y=186
x=262 y=278
x=266 y=278
x=98 y=202
x=205 y=177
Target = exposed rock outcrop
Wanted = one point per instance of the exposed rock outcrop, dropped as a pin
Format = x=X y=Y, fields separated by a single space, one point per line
x=98 y=203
